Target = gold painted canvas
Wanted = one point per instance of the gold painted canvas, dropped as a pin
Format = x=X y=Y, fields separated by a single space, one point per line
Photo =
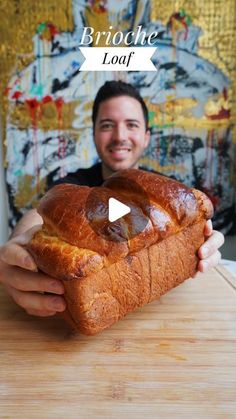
x=46 y=107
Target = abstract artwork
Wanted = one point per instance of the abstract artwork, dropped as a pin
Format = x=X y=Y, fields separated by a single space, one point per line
x=48 y=100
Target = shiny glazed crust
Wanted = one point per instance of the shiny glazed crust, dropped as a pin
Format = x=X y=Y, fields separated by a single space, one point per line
x=105 y=279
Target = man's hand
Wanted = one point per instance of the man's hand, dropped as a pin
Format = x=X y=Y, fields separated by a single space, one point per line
x=25 y=285
x=208 y=252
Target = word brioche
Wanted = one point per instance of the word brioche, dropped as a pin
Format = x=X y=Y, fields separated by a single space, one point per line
x=141 y=37
x=109 y=271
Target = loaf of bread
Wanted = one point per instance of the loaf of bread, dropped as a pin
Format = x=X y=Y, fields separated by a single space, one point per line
x=110 y=269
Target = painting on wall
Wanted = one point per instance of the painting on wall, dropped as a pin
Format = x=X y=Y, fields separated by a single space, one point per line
x=48 y=128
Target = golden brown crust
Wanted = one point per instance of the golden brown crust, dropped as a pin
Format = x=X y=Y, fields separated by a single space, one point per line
x=173 y=197
x=62 y=260
x=96 y=302
x=204 y=204
x=171 y=206
x=63 y=210
x=106 y=279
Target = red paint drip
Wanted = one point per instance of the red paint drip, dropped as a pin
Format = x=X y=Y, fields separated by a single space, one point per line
x=53 y=30
x=98 y=6
x=33 y=106
x=59 y=103
x=223 y=114
x=47 y=99
x=182 y=20
x=17 y=95
x=186 y=33
x=225 y=93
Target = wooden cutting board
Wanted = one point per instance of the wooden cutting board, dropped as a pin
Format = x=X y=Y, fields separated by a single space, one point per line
x=174 y=358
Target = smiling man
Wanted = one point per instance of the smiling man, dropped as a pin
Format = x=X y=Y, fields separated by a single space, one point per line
x=121 y=134
x=120 y=139
x=120 y=126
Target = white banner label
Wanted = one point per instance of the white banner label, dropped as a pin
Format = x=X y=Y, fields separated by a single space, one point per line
x=118 y=59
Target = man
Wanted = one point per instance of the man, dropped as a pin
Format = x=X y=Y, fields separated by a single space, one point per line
x=121 y=134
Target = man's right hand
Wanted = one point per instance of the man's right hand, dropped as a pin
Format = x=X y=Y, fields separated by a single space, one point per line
x=18 y=273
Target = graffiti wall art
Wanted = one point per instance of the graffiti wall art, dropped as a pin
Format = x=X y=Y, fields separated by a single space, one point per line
x=48 y=100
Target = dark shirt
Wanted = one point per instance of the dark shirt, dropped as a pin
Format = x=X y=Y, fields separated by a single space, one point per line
x=87 y=177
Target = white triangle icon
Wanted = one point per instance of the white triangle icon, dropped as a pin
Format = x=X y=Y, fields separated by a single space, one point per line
x=116 y=209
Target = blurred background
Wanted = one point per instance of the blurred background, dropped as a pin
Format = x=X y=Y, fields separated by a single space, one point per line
x=46 y=101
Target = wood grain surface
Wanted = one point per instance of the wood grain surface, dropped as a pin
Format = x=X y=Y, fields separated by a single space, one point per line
x=173 y=358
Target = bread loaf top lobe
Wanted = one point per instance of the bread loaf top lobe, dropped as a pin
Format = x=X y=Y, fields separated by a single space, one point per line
x=69 y=211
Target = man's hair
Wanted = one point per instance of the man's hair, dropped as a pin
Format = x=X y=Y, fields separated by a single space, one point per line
x=115 y=89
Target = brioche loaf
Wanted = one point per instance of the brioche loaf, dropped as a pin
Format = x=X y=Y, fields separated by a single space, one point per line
x=113 y=269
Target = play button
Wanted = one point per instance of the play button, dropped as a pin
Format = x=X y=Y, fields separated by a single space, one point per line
x=116 y=209
x=119 y=210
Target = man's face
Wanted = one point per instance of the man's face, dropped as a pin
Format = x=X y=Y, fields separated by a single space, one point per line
x=120 y=134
